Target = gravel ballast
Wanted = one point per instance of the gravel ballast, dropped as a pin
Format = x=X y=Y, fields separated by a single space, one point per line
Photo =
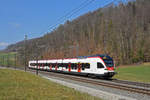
x=88 y=89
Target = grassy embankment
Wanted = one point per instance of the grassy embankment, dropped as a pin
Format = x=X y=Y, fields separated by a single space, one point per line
x=18 y=85
x=8 y=59
x=140 y=73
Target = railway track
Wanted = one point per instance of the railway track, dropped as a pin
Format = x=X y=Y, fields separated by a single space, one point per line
x=126 y=87
x=140 y=84
x=136 y=87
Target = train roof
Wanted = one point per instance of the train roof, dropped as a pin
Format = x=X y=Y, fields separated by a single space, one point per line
x=97 y=55
x=103 y=56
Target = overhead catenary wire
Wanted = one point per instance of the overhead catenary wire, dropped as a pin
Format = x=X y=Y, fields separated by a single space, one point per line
x=76 y=10
x=62 y=18
x=72 y=12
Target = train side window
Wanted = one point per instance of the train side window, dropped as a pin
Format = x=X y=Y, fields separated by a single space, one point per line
x=45 y=64
x=72 y=65
x=49 y=64
x=60 y=65
x=31 y=64
x=75 y=66
x=36 y=64
x=57 y=64
x=63 y=65
x=87 y=65
x=99 y=65
x=66 y=65
x=83 y=66
x=53 y=65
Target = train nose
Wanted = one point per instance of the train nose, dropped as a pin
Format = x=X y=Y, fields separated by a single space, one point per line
x=110 y=68
x=109 y=74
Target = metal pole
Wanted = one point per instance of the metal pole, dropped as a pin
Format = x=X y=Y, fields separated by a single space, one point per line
x=15 y=61
x=8 y=60
x=37 y=70
x=37 y=67
x=25 y=60
x=3 y=60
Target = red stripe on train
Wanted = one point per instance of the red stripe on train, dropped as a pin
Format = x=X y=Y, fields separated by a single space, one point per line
x=110 y=68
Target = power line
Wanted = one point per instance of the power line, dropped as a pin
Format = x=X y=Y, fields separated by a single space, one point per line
x=76 y=10
x=62 y=19
x=108 y=3
x=72 y=12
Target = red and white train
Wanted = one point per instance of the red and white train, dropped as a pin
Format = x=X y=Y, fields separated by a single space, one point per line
x=97 y=65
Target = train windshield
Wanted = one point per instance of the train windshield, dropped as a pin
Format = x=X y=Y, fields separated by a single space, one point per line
x=109 y=62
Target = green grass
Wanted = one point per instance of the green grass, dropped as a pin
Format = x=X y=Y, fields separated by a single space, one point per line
x=140 y=73
x=7 y=59
x=18 y=85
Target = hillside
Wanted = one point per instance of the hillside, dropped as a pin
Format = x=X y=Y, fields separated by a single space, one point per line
x=121 y=31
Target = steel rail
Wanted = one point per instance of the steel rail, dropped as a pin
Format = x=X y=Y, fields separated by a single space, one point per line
x=106 y=84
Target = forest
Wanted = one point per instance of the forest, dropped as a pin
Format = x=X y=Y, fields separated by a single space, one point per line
x=121 y=31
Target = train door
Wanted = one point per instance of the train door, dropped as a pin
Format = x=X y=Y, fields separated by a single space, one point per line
x=69 y=67
x=38 y=65
x=62 y=66
x=42 y=66
x=93 y=67
x=79 y=67
x=50 y=67
x=56 y=67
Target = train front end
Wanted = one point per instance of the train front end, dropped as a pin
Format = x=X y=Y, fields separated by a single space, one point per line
x=109 y=66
